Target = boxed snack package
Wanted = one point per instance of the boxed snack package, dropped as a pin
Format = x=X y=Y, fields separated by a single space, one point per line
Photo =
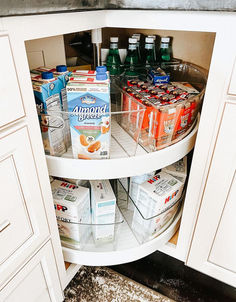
x=178 y=169
x=47 y=97
x=158 y=76
x=156 y=201
x=72 y=206
x=103 y=204
x=89 y=102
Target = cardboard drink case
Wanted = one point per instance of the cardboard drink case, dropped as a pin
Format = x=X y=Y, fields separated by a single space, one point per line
x=72 y=207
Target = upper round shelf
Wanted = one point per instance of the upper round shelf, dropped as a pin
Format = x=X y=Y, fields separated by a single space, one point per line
x=142 y=163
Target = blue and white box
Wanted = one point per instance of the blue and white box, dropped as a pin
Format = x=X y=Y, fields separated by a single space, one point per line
x=103 y=206
x=89 y=101
x=47 y=97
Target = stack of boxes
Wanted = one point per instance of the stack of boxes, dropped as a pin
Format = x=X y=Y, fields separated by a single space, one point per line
x=157 y=200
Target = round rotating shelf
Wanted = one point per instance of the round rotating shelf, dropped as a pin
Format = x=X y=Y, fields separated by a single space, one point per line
x=127 y=247
x=121 y=167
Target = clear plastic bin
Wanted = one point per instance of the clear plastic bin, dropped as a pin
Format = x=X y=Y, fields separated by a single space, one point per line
x=166 y=124
x=122 y=143
x=125 y=234
x=145 y=228
x=87 y=236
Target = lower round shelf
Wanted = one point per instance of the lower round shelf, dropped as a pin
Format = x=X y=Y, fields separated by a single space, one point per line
x=127 y=247
x=142 y=163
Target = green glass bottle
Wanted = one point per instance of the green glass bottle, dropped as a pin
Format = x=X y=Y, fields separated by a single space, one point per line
x=132 y=62
x=149 y=55
x=165 y=50
x=155 y=47
x=113 y=61
x=138 y=36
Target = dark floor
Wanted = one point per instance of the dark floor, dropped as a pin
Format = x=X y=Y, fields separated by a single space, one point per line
x=173 y=279
x=101 y=284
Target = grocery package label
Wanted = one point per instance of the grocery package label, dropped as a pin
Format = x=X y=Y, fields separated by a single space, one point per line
x=72 y=207
x=166 y=124
x=182 y=122
x=90 y=121
x=159 y=193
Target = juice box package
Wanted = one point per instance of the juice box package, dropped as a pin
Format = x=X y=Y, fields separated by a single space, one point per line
x=178 y=169
x=47 y=97
x=89 y=102
x=103 y=205
x=72 y=206
x=156 y=196
x=62 y=75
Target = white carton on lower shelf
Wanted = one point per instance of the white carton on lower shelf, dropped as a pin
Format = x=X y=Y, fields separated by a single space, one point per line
x=72 y=206
x=178 y=169
x=156 y=196
x=135 y=181
x=103 y=203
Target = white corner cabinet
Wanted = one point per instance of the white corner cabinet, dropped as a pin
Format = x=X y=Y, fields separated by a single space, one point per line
x=207 y=212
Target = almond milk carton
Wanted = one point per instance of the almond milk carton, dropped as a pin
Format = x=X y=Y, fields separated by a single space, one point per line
x=72 y=206
x=89 y=102
x=178 y=169
x=103 y=204
x=157 y=202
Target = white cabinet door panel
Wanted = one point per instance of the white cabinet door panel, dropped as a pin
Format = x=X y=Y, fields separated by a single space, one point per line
x=223 y=251
x=232 y=85
x=213 y=249
x=11 y=107
x=37 y=281
x=23 y=223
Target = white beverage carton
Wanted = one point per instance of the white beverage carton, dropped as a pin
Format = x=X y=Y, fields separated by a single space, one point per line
x=137 y=180
x=62 y=75
x=72 y=206
x=156 y=196
x=178 y=169
x=47 y=97
x=89 y=101
x=103 y=204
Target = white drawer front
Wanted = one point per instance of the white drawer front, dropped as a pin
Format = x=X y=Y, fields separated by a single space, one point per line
x=14 y=218
x=37 y=281
x=11 y=107
x=23 y=224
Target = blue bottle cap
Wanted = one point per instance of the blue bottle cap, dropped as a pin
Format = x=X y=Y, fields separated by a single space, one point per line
x=101 y=69
x=61 y=68
x=101 y=76
x=46 y=75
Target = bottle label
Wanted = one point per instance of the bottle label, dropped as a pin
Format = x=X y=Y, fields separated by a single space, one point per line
x=113 y=45
x=164 y=45
x=132 y=46
x=148 y=46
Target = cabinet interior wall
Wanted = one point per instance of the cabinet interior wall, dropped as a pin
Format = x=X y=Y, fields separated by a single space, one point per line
x=194 y=47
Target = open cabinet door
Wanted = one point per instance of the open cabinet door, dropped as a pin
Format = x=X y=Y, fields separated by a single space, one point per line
x=213 y=249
